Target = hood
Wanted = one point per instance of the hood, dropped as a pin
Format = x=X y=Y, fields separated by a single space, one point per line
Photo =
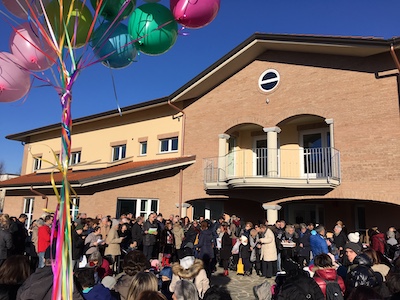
x=363 y=260
x=326 y=274
x=190 y=273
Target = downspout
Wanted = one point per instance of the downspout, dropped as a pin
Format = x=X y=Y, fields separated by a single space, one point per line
x=182 y=154
x=394 y=56
x=41 y=195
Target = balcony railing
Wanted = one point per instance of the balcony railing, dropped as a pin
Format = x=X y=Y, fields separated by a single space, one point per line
x=307 y=164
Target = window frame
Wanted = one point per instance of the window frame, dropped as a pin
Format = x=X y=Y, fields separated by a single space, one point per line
x=121 y=154
x=71 y=163
x=169 y=145
x=29 y=213
x=141 y=147
x=37 y=163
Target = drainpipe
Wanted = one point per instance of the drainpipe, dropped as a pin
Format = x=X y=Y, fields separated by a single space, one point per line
x=182 y=153
x=394 y=56
x=41 y=195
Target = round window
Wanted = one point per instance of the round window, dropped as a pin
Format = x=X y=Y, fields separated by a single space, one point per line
x=269 y=80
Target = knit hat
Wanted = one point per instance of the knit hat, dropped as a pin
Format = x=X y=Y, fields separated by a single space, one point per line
x=108 y=282
x=354 y=237
x=244 y=240
x=79 y=227
x=353 y=246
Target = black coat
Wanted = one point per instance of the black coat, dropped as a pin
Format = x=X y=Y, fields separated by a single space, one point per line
x=137 y=234
x=77 y=245
x=5 y=243
x=304 y=238
x=226 y=246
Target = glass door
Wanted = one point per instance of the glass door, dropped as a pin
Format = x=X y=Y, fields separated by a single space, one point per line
x=260 y=162
x=316 y=153
x=231 y=158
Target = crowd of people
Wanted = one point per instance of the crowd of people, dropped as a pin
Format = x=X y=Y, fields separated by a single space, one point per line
x=174 y=258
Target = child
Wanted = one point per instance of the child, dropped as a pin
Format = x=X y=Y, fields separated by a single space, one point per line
x=244 y=253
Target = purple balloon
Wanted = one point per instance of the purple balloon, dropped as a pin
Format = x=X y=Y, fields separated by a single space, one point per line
x=35 y=54
x=20 y=8
x=194 y=13
x=14 y=81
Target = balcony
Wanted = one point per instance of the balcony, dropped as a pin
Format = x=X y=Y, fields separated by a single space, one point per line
x=273 y=168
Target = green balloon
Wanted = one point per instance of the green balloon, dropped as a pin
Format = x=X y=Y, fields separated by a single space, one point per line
x=154 y=28
x=110 y=8
x=80 y=20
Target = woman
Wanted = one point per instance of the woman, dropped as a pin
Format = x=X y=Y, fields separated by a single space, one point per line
x=142 y=281
x=92 y=242
x=102 y=266
x=5 y=237
x=113 y=242
x=377 y=266
x=167 y=242
x=226 y=248
x=205 y=246
x=185 y=290
x=13 y=272
x=186 y=224
x=127 y=235
x=255 y=245
x=268 y=254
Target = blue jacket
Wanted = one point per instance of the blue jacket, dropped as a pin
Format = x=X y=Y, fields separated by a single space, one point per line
x=318 y=244
x=98 y=292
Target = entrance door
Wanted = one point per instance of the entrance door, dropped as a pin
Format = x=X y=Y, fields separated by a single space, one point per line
x=316 y=154
x=231 y=158
x=260 y=162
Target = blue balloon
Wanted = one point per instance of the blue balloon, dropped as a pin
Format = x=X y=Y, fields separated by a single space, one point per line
x=114 y=44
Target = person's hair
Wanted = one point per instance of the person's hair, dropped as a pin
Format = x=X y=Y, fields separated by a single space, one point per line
x=48 y=217
x=96 y=228
x=319 y=228
x=85 y=277
x=371 y=253
x=15 y=270
x=393 y=282
x=186 y=290
x=303 y=225
x=134 y=262
x=142 y=281
x=23 y=216
x=363 y=292
x=249 y=223
x=4 y=221
x=204 y=225
x=40 y=222
x=151 y=295
x=289 y=226
x=96 y=256
x=323 y=261
x=217 y=293
x=263 y=226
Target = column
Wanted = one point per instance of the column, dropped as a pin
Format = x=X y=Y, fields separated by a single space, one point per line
x=272 y=212
x=184 y=208
x=330 y=123
x=221 y=156
x=272 y=150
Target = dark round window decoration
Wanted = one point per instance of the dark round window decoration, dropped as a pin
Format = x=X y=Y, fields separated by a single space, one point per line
x=269 y=80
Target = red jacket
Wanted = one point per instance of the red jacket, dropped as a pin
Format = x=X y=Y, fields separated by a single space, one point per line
x=378 y=242
x=44 y=236
x=330 y=275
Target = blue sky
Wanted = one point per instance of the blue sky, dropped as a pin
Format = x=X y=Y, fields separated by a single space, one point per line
x=152 y=77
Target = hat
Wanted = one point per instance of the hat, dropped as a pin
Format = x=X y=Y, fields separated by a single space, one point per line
x=187 y=262
x=109 y=282
x=353 y=246
x=354 y=237
x=115 y=222
x=79 y=227
x=243 y=240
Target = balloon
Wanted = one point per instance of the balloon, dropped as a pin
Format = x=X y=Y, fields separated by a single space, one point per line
x=25 y=45
x=151 y=1
x=110 y=8
x=116 y=43
x=154 y=28
x=14 y=81
x=194 y=14
x=81 y=18
x=20 y=8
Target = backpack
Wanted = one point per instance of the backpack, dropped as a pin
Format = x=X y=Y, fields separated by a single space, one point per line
x=263 y=291
x=333 y=290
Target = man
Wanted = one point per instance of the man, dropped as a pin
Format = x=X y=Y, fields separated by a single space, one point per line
x=150 y=230
x=19 y=234
x=113 y=242
x=78 y=242
x=304 y=248
x=5 y=243
x=268 y=252
x=137 y=234
x=317 y=241
x=44 y=236
x=339 y=239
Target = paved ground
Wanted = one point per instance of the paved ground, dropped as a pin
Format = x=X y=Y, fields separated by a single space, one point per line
x=240 y=287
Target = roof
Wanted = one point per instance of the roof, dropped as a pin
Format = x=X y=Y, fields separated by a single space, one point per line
x=96 y=176
x=238 y=58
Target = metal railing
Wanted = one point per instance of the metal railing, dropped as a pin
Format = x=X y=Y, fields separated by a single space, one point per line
x=307 y=163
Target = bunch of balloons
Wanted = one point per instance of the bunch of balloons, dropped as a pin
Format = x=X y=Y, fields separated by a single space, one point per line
x=114 y=30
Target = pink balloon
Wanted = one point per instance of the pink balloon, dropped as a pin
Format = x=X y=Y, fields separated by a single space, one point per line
x=33 y=52
x=20 y=8
x=194 y=13
x=14 y=81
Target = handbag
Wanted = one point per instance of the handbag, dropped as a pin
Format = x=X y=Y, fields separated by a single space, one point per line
x=240 y=267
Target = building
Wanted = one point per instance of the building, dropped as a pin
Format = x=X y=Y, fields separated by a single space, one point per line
x=304 y=128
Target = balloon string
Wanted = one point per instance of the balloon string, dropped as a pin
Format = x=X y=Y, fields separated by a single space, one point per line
x=115 y=91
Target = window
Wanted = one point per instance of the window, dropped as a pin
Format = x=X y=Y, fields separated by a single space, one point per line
x=143 y=148
x=169 y=145
x=138 y=207
x=37 y=163
x=119 y=152
x=28 y=210
x=74 y=208
x=269 y=80
x=75 y=158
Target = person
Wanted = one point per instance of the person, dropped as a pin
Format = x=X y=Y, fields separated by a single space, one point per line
x=44 y=236
x=90 y=290
x=340 y=240
x=377 y=240
x=142 y=281
x=179 y=234
x=92 y=242
x=19 y=235
x=137 y=234
x=317 y=241
x=167 y=242
x=150 y=230
x=100 y=265
x=289 y=241
x=244 y=254
x=13 y=272
x=269 y=254
x=5 y=238
x=104 y=227
x=113 y=242
x=185 y=290
x=217 y=293
x=191 y=269
x=324 y=272
x=78 y=243
x=377 y=266
x=303 y=247
x=134 y=262
x=255 y=246
x=205 y=247
x=226 y=248
x=393 y=284
x=151 y=295
x=363 y=292
x=125 y=232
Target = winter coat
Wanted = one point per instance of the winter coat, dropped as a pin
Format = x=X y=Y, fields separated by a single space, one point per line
x=149 y=239
x=167 y=241
x=361 y=273
x=298 y=288
x=304 y=239
x=137 y=234
x=226 y=246
x=179 y=235
x=340 y=240
x=244 y=251
x=253 y=244
x=190 y=235
x=205 y=245
x=5 y=243
x=113 y=243
x=195 y=273
x=378 y=242
x=89 y=243
x=329 y=274
x=318 y=244
x=123 y=283
x=19 y=235
x=39 y=286
x=98 y=292
x=268 y=247
x=44 y=235
x=77 y=245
